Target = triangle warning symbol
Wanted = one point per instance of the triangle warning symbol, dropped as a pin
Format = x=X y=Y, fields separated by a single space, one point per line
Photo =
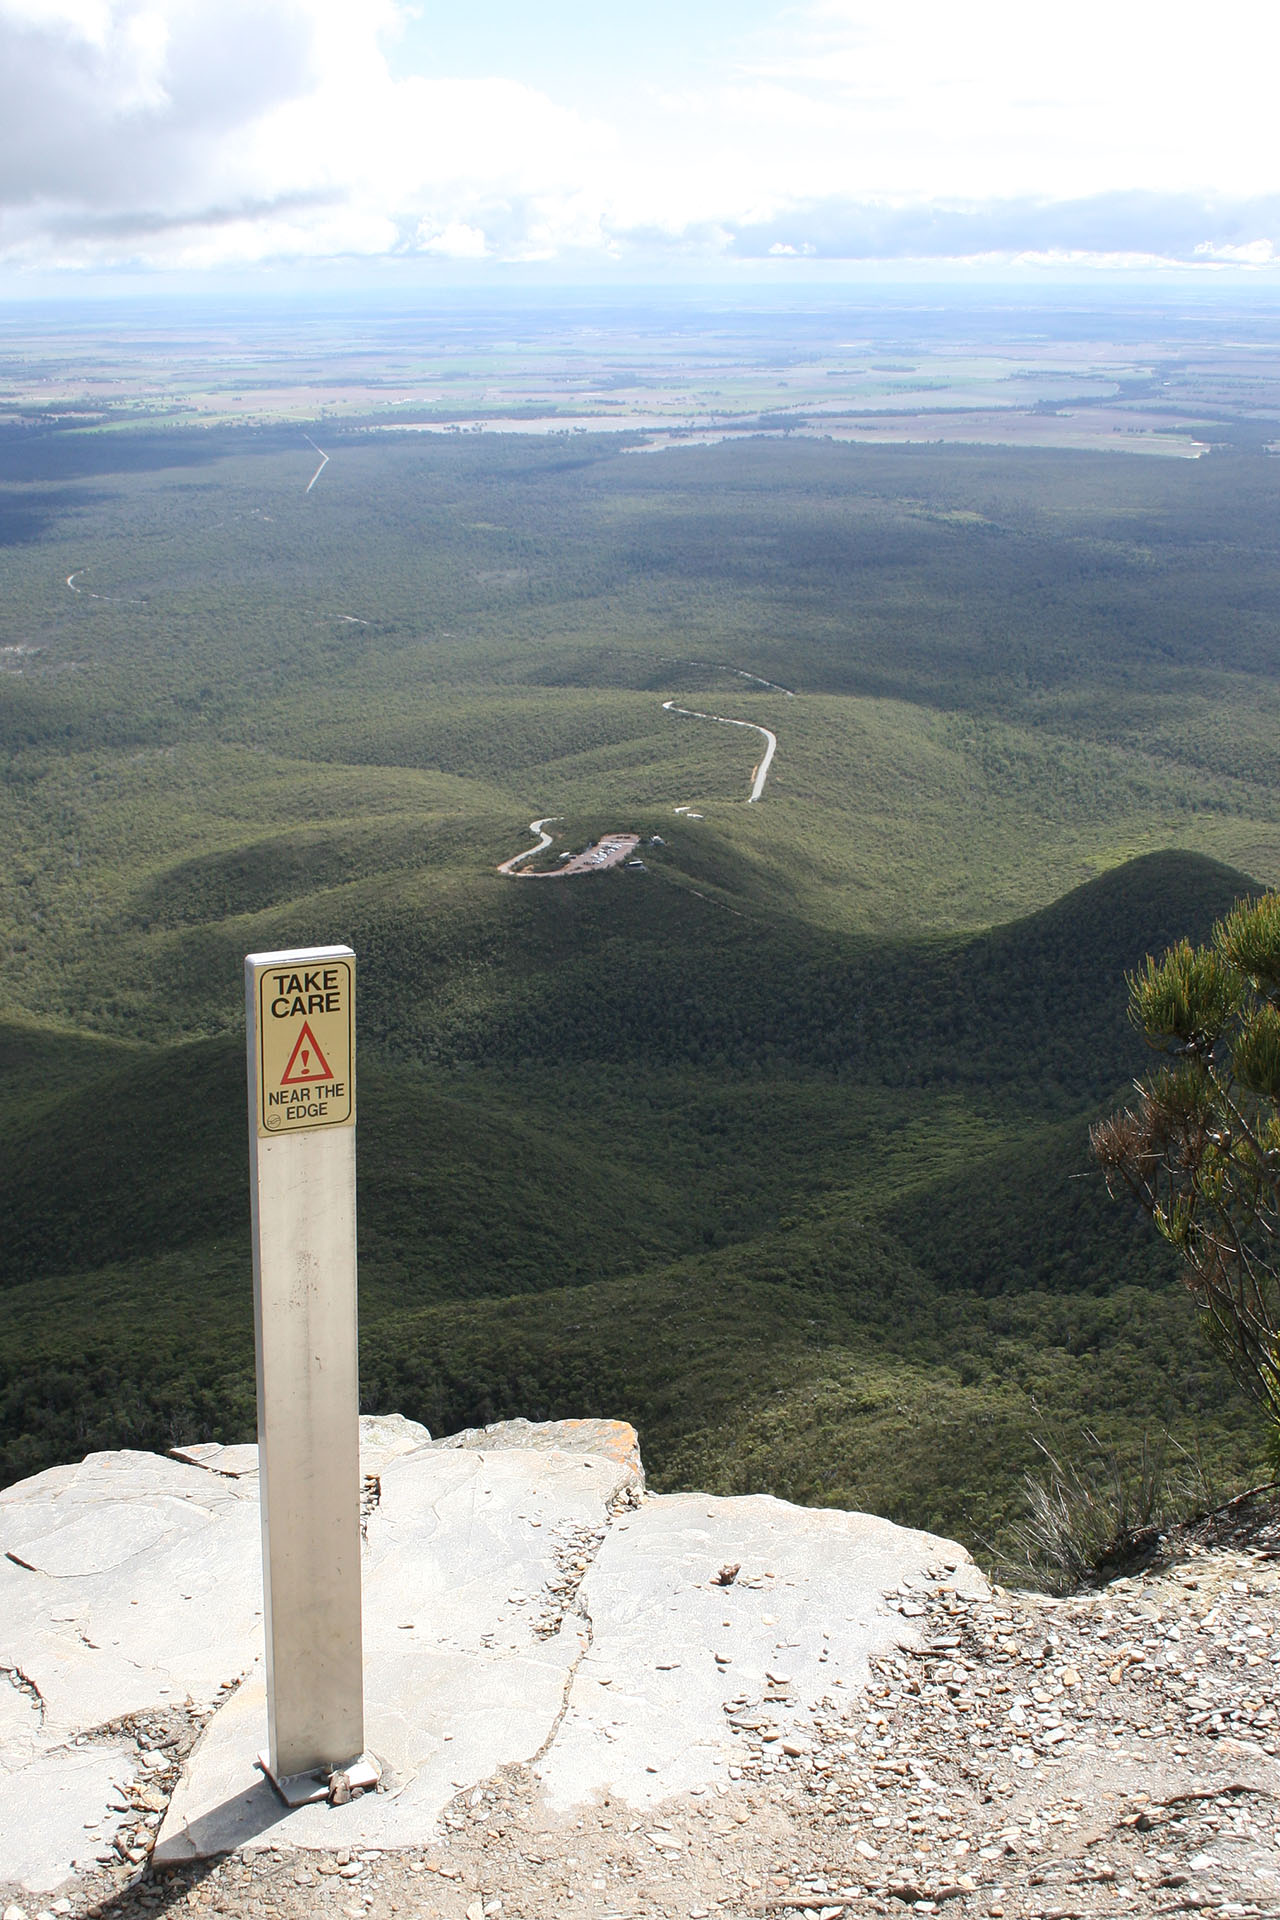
x=308 y=1059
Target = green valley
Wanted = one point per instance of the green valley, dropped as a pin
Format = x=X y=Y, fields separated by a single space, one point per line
x=777 y=1147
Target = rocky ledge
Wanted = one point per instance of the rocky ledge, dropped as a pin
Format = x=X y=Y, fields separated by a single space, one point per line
x=594 y=1701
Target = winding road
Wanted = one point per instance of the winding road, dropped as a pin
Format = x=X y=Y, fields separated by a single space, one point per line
x=721 y=666
x=111 y=599
x=759 y=774
x=770 y=740
x=544 y=840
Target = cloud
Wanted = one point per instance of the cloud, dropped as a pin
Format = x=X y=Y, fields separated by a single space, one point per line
x=207 y=133
x=1177 y=228
x=998 y=97
x=172 y=132
x=141 y=104
x=454 y=241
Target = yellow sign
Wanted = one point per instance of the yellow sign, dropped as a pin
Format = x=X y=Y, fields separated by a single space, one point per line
x=306 y=1043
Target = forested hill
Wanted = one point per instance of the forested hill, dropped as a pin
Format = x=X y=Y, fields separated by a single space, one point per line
x=777 y=1147
x=663 y=978
x=622 y=1161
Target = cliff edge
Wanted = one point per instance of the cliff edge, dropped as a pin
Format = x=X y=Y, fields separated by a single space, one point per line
x=592 y=1700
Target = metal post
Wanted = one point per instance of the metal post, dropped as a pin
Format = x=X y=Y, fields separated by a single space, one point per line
x=301 y=1049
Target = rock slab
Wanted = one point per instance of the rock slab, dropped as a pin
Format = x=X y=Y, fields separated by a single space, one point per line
x=526 y=1602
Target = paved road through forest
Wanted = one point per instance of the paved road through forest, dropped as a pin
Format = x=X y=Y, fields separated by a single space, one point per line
x=759 y=775
x=770 y=740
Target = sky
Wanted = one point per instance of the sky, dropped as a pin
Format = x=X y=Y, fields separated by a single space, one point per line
x=400 y=142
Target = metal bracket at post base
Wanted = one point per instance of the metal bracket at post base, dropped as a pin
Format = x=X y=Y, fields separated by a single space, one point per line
x=301 y=1789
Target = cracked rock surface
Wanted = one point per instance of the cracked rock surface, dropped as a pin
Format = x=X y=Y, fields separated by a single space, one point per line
x=472 y=1562
x=526 y=1604
x=580 y=1716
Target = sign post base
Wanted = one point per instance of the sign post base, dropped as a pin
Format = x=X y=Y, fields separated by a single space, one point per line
x=301 y=1789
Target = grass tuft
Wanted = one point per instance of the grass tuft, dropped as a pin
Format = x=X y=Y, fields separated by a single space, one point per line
x=1093 y=1517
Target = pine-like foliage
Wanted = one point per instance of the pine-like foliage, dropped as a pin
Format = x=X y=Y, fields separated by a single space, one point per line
x=1200 y=1148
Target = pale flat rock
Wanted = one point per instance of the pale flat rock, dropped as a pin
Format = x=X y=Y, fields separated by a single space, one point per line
x=452 y=1718
x=465 y=1545
x=646 y=1714
x=383 y=1438
x=83 y=1547
x=523 y=1603
x=234 y=1462
x=55 y=1817
x=127 y=1583
x=130 y=1582
x=468 y=1648
x=615 y=1439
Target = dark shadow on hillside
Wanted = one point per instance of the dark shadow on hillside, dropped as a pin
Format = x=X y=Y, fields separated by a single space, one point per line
x=27 y=517
x=1033 y=1011
x=249 y=879
x=86 y=1206
x=56 y=453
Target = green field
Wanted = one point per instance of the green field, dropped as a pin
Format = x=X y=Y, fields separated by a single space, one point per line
x=779 y=1148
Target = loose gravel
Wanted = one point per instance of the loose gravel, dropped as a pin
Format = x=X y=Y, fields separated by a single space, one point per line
x=1113 y=1753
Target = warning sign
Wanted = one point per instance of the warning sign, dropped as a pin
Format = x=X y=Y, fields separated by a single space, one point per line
x=306 y=1062
x=306 y=1041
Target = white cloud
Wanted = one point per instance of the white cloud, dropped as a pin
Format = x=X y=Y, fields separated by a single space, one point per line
x=456 y=241
x=201 y=133
x=1251 y=253
x=175 y=131
x=1000 y=97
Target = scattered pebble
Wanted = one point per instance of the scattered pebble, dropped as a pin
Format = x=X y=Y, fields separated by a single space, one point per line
x=1014 y=1758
